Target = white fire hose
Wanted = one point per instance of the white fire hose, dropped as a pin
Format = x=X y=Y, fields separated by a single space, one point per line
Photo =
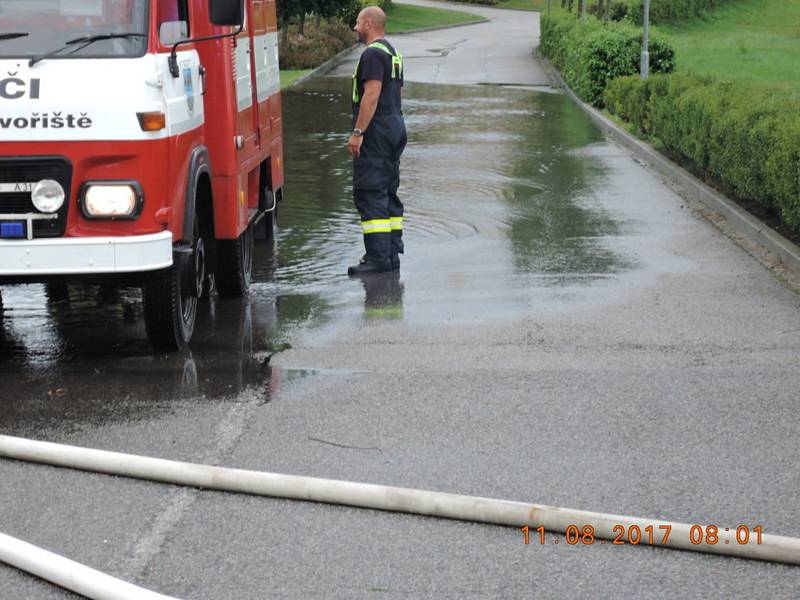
x=69 y=574
x=743 y=541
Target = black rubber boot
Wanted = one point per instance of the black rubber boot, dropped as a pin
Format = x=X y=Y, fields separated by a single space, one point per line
x=395 y=261
x=369 y=266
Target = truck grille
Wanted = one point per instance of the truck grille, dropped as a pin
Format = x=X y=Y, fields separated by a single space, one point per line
x=27 y=169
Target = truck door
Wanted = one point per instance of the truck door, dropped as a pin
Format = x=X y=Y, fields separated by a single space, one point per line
x=247 y=117
x=182 y=94
x=267 y=72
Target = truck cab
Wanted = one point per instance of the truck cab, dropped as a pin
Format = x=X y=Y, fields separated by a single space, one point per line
x=140 y=144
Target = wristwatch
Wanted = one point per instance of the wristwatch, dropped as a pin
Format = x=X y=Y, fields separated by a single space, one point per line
x=358 y=132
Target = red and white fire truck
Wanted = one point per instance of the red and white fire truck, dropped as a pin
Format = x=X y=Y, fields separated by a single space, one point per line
x=140 y=144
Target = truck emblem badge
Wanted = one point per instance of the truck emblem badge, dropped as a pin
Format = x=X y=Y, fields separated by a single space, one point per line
x=188 y=88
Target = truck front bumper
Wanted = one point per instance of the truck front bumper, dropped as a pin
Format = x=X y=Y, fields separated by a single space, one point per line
x=87 y=255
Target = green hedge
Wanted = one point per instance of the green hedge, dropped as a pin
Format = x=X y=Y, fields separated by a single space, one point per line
x=318 y=44
x=738 y=134
x=590 y=53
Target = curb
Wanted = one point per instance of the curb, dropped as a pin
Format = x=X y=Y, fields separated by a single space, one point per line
x=328 y=65
x=741 y=221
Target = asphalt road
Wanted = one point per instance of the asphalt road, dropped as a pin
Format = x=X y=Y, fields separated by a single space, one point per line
x=565 y=331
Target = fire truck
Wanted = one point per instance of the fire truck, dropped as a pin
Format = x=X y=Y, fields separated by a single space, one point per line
x=140 y=145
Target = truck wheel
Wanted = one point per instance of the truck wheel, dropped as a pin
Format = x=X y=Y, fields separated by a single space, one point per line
x=170 y=299
x=235 y=265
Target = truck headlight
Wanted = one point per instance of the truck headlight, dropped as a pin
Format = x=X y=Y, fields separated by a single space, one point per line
x=111 y=200
x=48 y=196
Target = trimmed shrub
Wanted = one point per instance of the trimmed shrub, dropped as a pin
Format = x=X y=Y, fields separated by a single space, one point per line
x=742 y=136
x=317 y=45
x=591 y=53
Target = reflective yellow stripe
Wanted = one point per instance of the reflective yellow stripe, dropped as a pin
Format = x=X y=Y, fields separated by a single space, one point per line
x=376 y=226
x=397 y=66
x=381 y=47
x=397 y=223
x=385 y=312
x=397 y=59
x=356 y=97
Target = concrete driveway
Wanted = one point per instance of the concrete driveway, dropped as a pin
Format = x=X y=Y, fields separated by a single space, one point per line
x=498 y=52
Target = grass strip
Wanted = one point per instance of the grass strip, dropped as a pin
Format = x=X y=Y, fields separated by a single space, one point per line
x=537 y=5
x=288 y=77
x=405 y=17
x=748 y=40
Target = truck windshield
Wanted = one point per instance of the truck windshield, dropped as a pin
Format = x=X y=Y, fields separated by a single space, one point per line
x=31 y=28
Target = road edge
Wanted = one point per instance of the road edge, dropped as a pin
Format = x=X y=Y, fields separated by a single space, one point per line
x=741 y=221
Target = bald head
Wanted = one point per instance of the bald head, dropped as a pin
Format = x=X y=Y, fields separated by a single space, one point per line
x=375 y=15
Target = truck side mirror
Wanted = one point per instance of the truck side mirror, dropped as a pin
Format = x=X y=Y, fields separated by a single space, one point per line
x=226 y=12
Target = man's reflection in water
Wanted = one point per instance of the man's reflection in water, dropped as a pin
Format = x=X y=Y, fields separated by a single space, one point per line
x=383 y=295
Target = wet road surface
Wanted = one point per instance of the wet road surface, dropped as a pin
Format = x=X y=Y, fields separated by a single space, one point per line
x=564 y=331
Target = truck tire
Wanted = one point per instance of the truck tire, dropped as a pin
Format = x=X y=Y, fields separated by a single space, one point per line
x=235 y=265
x=170 y=299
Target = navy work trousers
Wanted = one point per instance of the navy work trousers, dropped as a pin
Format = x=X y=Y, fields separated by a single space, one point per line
x=376 y=177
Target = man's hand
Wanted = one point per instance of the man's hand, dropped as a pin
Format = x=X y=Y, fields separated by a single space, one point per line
x=354 y=145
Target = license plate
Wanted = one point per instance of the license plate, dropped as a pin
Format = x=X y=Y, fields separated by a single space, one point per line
x=12 y=229
x=16 y=188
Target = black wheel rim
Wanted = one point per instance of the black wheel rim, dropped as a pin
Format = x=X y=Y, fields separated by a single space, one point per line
x=188 y=307
x=199 y=266
x=194 y=288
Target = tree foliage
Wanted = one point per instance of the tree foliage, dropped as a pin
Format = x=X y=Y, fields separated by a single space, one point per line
x=297 y=10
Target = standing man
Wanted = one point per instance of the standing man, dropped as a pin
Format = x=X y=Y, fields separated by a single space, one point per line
x=377 y=141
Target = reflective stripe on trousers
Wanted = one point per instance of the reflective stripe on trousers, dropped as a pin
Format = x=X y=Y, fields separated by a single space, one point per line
x=376 y=226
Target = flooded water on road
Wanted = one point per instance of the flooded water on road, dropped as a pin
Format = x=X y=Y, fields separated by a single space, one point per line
x=500 y=195
x=482 y=162
x=501 y=218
